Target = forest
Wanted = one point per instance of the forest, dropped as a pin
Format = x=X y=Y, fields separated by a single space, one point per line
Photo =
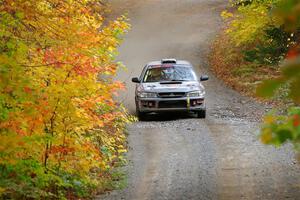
x=61 y=130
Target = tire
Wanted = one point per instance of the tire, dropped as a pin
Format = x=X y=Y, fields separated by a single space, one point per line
x=140 y=115
x=201 y=114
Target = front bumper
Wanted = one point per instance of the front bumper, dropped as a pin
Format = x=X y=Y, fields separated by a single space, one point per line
x=170 y=104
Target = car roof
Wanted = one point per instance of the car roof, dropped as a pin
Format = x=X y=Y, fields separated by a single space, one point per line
x=178 y=62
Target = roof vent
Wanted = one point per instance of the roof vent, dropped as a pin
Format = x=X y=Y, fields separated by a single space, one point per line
x=168 y=61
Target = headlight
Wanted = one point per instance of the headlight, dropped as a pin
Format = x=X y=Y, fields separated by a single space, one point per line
x=147 y=95
x=198 y=93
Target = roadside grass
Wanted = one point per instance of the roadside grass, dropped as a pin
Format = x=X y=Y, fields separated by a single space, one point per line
x=119 y=180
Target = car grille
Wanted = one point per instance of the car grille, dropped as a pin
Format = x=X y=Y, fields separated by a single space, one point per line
x=172 y=104
x=171 y=94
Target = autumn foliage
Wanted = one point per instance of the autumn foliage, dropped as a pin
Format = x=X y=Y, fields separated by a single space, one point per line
x=61 y=131
x=258 y=53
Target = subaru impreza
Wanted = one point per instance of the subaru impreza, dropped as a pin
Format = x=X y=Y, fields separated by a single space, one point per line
x=169 y=85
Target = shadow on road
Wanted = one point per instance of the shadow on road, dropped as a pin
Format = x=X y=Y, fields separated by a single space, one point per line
x=168 y=116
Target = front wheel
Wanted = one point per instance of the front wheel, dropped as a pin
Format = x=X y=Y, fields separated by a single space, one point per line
x=201 y=114
x=140 y=115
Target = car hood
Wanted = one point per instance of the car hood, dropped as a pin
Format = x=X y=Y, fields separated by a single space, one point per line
x=184 y=86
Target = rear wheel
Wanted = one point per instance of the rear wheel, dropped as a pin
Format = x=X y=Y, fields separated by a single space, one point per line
x=201 y=114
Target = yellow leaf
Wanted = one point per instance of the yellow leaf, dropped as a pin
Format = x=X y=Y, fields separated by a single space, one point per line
x=266 y=136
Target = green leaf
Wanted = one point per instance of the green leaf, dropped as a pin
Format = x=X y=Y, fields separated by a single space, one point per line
x=294 y=110
x=283 y=135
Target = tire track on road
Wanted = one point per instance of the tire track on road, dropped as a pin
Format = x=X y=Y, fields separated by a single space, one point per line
x=232 y=167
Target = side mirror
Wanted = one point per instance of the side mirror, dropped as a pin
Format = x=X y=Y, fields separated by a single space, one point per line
x=135 y=80
x=204 y=78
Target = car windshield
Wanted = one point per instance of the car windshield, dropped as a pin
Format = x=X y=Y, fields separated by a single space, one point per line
x=161 y=73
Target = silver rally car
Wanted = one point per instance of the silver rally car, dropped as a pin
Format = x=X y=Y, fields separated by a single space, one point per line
x=169 y=85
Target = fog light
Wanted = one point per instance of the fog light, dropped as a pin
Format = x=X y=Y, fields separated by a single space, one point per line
x=199 y=101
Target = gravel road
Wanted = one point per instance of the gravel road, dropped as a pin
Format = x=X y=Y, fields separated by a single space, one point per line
x=181 y=157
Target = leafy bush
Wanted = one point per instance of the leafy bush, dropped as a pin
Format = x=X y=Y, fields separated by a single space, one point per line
x=278 y=129
x=273 y=49
x=268 y=33
x=286 y=127
x=247 y=24
x=27 y=179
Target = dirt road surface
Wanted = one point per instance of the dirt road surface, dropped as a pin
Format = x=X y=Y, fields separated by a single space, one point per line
x=181 y=157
